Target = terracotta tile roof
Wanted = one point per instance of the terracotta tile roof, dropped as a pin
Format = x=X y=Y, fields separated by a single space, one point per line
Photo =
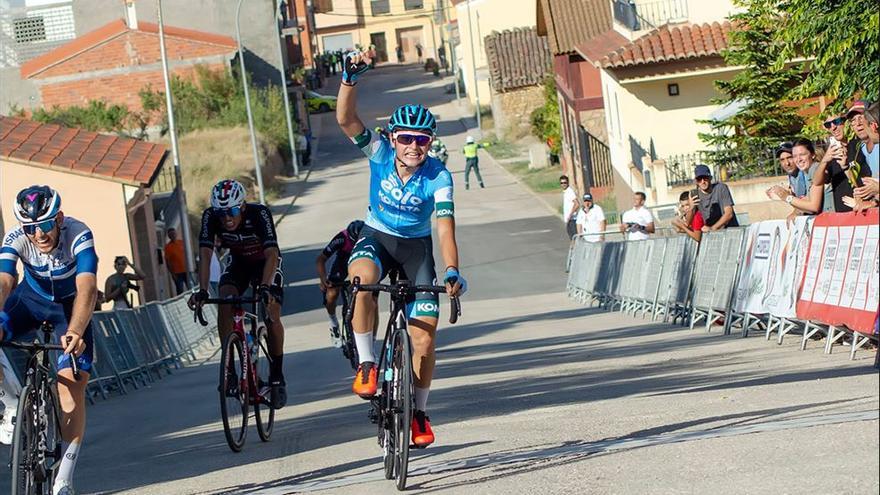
x=81 y=152
x=566 y=23
x=110 y=31
x=671 y=43
x=517 y=58
x=598 y=46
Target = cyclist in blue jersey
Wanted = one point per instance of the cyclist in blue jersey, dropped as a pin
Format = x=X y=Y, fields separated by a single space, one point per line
x=60 y=286
x=406 y=188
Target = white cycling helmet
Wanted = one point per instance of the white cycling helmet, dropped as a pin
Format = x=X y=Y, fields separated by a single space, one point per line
x=36 y=203
x=469 y=140
x=227 y=193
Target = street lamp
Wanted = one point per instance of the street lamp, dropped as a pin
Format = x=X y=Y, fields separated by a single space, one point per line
x=247 y=102
x=175 y=151
x=474 y=62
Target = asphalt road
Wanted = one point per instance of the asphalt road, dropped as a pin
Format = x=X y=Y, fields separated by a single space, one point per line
x=534 y=394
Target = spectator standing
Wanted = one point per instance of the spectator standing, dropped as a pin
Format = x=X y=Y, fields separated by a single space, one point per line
x=804 y=156
x=399 y=51
x=569 y=206
x=812 y=203
x=117 y=285
x=837 y=158
x=867 y=149
x=590 y=220
x=472 y=161
x=869 y=191
x=175 y=261
x=693 y=227
x=713 y=201
x=419 y=51
x=637 y=222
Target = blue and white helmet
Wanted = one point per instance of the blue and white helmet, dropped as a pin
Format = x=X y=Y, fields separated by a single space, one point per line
x=36 y=203
x=414 y=117
x=227 y=193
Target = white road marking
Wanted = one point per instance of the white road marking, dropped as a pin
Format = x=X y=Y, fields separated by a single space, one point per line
x=530 y=232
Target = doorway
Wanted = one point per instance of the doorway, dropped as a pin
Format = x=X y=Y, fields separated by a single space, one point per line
x=378 y=40
x=407 y=39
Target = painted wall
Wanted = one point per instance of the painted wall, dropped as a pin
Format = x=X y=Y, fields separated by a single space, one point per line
x=487 y=16
x=100 y=204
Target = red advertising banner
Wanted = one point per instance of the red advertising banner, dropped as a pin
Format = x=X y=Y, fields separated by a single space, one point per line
x=840 y=283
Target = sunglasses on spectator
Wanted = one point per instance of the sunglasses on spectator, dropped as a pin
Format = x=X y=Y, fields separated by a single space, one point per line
x=230 y=212
x=837 y=121
x=44 y=226
x=420 y=139
x=563 y=183
x=703 y=178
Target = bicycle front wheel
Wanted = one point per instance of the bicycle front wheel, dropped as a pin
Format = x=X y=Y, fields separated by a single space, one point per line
x=234 y=392
x=25 y=446
x=402 y=395
x=264 y=413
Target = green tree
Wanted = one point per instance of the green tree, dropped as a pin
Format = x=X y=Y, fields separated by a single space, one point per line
x=791 y=50
x=545 y=119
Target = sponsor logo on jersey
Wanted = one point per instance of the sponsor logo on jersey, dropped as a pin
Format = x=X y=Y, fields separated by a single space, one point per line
x=395 y=196
x=427 y=308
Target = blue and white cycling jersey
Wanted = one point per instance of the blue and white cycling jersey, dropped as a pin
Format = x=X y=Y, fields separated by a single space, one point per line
x=398 y=209
x=53 y=275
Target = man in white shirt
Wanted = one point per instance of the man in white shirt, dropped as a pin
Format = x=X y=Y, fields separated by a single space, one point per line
x=637 y=222
x=591 y=220
x=569 y=206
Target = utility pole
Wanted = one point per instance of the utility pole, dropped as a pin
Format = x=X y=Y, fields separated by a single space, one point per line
x=284 y=91
x=474 y=62
x=247 y=103
x=175 y=150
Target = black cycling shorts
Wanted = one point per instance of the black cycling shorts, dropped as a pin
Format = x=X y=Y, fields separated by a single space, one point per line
x=338 y=270
x=241 y=274
x=412 y=258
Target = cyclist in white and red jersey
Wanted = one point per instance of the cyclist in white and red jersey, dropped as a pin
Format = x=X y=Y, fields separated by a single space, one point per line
x=339 y=249
x=406 y=188
x=60 y=286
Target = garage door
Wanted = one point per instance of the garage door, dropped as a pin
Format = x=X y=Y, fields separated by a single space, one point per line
x=336 y=42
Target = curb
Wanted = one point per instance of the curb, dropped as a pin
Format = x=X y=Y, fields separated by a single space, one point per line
x=516 y=179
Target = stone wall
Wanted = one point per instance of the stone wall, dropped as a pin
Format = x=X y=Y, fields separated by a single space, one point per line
x=512 y=110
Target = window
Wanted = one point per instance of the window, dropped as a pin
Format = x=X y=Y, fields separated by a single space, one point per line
x=413 y=4
x=379 y=7
x=29 y=29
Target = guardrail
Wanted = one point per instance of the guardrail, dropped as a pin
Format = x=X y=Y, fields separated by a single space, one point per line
x=135 y=347
x=768 y=277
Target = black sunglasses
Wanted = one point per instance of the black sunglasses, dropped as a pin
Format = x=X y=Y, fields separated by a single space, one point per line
x=836 y=121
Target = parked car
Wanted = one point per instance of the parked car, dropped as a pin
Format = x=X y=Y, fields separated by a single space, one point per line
x=320 y=103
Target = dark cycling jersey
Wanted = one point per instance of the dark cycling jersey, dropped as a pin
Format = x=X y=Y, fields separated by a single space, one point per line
x=341 y=245
x=255 y=233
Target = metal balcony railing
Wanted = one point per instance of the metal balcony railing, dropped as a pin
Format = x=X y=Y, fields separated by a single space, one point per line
x=649 y=15
x=680 y=168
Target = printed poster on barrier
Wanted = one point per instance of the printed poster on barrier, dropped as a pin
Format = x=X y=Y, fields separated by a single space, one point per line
x=756 y=278
x=788 y=268
x=840 y=285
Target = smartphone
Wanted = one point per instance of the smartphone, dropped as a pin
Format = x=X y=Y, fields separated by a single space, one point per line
x=832 y=141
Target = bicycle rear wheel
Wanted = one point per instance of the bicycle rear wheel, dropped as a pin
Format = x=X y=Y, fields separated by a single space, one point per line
x=264 y=413
x=402 y=395
x=234 y=392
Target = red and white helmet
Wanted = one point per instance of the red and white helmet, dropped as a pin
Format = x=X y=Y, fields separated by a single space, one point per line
x=227 y=193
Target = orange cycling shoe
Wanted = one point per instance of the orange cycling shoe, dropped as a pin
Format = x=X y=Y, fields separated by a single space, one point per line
x=422 y=434
x=365 y=380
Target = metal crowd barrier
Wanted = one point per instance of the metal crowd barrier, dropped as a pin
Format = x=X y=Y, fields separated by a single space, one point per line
x=135 y=347
x=680 y=280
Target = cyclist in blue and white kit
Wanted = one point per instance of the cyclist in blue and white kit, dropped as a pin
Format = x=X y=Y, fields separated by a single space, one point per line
x=406 y=187
x=60 y=286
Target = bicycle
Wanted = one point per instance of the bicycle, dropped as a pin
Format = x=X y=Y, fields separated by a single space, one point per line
x=392 y=408
x=349 y=349
x=244 y=374
x=36 y=439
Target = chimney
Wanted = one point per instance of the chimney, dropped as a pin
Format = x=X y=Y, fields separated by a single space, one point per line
x=131 y=14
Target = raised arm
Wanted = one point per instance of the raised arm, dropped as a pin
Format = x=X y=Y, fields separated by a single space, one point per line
x=355 y=63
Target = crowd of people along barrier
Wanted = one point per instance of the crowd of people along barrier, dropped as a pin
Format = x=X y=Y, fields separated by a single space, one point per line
x=816 y=275
x=135 y=347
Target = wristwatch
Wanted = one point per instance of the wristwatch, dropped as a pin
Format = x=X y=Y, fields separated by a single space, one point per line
x=789 y=199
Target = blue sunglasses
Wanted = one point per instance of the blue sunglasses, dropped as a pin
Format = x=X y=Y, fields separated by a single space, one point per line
x=230 y=212
x=44 y=226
